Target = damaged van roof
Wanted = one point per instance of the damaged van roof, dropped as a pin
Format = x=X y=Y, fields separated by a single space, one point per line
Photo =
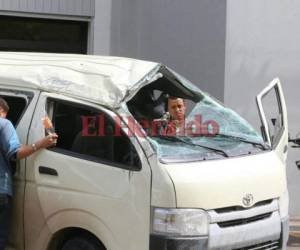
x=100 y=79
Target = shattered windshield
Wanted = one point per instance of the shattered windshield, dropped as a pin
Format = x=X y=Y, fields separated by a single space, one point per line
x=223 y=120
x=184 y=126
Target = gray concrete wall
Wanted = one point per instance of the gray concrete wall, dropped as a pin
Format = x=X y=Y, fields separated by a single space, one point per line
x=125 y=27
x=262 y=43
x=188 y=36
x=100 y=31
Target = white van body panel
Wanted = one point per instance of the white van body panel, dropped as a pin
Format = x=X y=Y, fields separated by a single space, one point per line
x=223 y=183
x=163 y=189
x=112 y=196
x=86 y=221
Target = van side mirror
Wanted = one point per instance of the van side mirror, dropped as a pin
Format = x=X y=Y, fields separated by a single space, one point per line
x=295 y=141
x=298 y=164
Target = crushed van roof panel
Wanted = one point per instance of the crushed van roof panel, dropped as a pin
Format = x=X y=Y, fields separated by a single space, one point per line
x=103 y=80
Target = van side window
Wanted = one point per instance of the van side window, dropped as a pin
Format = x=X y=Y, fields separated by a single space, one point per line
x=89 y=133
x=17 y=105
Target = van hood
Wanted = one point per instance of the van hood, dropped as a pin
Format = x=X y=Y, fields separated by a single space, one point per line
x=224 y=183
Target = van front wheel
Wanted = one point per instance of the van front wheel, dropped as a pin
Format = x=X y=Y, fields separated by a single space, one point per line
x=82 y=243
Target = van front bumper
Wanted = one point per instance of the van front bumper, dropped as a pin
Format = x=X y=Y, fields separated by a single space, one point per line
x=161 y=242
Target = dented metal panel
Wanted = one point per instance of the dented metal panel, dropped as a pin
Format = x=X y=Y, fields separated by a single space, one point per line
x=60 y=7
x=103 y=80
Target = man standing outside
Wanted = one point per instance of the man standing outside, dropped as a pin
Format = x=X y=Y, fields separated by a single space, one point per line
x=11 y=150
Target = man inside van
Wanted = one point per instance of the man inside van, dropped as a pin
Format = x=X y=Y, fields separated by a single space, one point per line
x=176 y=109
x=11 y=150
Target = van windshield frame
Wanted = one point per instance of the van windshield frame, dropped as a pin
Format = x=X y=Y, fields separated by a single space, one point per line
x=223 y=132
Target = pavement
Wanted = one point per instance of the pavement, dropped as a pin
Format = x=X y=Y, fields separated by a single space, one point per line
x=294 y=238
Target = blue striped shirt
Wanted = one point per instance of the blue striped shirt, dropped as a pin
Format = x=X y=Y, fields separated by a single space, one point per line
x=9 y=145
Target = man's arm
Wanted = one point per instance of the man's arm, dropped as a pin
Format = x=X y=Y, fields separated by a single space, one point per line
x=27 y=150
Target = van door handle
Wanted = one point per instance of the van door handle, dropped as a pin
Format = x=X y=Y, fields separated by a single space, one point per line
x=46 y=170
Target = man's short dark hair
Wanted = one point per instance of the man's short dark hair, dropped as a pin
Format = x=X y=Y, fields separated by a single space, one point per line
x=4 y=105
x=174 y=98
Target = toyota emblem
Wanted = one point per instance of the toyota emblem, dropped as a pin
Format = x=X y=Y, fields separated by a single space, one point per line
x=248 y=200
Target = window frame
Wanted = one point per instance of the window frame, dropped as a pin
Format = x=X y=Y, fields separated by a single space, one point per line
x=95 y=159
x=280 y=132
x=26 y=95
x=274 y=85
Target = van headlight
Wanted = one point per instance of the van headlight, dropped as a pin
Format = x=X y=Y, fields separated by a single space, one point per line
x=179 y=222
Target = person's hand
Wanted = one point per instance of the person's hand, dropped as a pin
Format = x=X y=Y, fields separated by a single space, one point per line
x=48 y=141
x=45 y=142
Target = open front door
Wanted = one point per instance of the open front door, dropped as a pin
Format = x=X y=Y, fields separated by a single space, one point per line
x=273 y=115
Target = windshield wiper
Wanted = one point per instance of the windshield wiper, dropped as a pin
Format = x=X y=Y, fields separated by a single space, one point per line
x=174 y=138
x=263 y=145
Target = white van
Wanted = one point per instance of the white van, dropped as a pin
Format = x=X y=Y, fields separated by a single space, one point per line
x=111 y=184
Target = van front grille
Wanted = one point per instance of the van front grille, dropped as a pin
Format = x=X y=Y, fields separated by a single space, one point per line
x=243 y=221
x=270 y=245
x=240 y=208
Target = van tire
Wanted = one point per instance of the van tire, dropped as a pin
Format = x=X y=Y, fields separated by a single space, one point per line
x=82 y=243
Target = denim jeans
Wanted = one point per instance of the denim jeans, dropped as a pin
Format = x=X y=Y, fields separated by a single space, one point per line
x=5 y=211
